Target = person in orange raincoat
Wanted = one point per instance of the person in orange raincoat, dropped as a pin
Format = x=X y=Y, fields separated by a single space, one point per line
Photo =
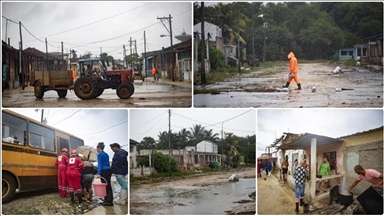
x=293 y=70
x=73 y=74
x=154 y=73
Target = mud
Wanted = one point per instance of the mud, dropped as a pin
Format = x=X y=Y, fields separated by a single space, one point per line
x=147 y=94
x=48 y=202
x=257 y=89
x=202 y=194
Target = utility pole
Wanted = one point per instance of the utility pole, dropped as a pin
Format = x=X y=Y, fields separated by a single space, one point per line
x=21 y=75
x=62 y=54
x=253 y=32
x=42 y=115
x=6 y=30
x=101 y=51
x=238 y=38
x=265 y=42
x=135 y=52
x=202 y=45
x=130 y=50
x=124 y=54
x=46 y=52
x=169 y=140
x=145 y=57
x=170 y=35
x=222 y=143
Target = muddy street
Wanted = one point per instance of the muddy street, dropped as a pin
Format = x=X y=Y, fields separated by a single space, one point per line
x=48 y=202
x=258 y=89
x=202 y=194
x=147 y=94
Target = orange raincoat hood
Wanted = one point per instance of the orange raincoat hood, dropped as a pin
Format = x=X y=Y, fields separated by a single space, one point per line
x=290 y=55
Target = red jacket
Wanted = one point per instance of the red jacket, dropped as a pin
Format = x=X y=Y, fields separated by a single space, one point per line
x=62 y=160
x=75 y=163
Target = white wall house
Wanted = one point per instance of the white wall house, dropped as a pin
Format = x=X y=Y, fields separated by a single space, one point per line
x=207 y=146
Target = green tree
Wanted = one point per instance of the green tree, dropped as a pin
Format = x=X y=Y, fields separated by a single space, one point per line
x=161 y=162
x=87 y=54
x=146 y=143
x=197 y=133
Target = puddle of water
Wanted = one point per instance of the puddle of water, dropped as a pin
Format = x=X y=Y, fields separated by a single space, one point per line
x=215 y=199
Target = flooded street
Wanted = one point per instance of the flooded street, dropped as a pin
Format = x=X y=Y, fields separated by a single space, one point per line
x=147 y=94
x=48 y=202
x=210 y=194
x=258 y=89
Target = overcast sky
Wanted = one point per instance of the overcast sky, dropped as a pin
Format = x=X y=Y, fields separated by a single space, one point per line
x=150 y=122
x=91 y=125
x=46 y=19
x=327 y=122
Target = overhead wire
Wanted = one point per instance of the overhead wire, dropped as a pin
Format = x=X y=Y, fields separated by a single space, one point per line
x=97 y=21
x=104 y=129
x=144 y=123
x=67 y=117
x=35 y=36
x=150 y=127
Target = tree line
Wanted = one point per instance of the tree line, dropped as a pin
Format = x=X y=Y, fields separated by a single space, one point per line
x=312 y=30
x=231 y=144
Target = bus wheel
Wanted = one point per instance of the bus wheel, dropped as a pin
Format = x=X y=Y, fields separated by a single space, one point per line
x=8 y=187
x=39 y=90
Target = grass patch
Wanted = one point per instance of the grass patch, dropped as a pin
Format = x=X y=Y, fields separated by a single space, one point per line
x=206 y=91
x=314 y=61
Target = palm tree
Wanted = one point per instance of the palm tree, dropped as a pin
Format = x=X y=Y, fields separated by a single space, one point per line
x=183 y=136
x=210 y=136
x=197 y=133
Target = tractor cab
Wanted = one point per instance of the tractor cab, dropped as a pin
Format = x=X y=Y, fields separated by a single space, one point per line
x=92 y=67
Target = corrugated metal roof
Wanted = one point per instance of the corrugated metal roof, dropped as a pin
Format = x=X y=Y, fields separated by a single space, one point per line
x=303 y=141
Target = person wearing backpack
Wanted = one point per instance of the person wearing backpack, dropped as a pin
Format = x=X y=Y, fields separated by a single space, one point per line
x=120 y=169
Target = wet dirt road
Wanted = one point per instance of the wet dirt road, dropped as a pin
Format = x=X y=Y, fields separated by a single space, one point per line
x=210 y=194
x=275 y=199
x=257 y=89
x=147 y=94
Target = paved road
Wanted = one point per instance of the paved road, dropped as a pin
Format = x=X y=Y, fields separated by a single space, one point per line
x=147 y=94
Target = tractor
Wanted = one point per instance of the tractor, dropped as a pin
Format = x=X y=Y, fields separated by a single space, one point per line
x=95 y=76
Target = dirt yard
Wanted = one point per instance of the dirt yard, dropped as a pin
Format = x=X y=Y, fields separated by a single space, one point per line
x=258 y=89
x=182 y=195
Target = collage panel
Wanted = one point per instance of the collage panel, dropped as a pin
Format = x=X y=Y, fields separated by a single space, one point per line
x=319 y=161
x=192 y=161
x=64 y=161
x=288 y=54
x=110 y=55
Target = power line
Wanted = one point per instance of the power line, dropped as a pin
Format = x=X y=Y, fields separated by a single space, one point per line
x=35 y=36
x=104 y=129
x=143 y=124
x=152 y=126
x=67 y=117
x=10 y=20
x=96 y=21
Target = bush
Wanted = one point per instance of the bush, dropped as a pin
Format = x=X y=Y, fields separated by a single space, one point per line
x=216 y=57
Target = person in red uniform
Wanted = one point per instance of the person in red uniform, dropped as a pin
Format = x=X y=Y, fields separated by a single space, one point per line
x=73 y=175
x=62 y=163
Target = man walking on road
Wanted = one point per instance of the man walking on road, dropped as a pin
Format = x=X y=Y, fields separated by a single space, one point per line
x=120 y=169
x=62 y=163
x=301 y=175
x=293 y=71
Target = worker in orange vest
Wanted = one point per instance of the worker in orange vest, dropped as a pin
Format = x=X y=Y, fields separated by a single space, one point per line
x=73 y=72
x=154 y=73
x=293 y=71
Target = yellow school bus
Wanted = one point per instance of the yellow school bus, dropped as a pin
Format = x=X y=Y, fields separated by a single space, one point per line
x=29 y=152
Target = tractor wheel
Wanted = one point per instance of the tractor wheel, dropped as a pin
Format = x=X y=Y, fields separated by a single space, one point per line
x=39 y=90
x=62 y=93
x=85 y=88
x=124 y=91
x=8 y=187
x=99 y=92
x=132 y=89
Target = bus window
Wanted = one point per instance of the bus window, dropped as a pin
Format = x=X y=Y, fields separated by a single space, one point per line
x=41 y=137
x=63 y=143
x=13 y=129
x=75 y=142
